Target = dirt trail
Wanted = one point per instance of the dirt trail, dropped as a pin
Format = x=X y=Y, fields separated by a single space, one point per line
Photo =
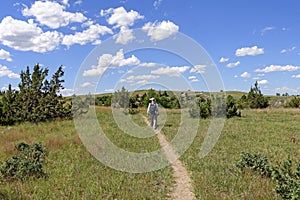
x=182 y=186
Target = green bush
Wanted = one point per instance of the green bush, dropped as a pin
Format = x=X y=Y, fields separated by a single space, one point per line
x=27 y=163
x=286 y=177
x=293 y=103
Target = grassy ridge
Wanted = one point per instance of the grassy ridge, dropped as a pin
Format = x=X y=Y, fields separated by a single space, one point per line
x=73 y=172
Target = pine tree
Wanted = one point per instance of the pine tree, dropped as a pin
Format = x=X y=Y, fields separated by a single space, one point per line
x=256 y=99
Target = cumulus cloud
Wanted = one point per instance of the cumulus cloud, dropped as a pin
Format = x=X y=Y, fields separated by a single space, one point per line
x=89 y=35
x=222 y=60
x=296 y=76
x=246 y=75
x=5 y=55
x=170 y=71
x=26 y=36
x=160 y=30
x=233 y=64
x=120 y=17
x=249 y=51
x=110 y=61
x=5 y=71
x=200 y=69
x=124 y=36
x=263 y=82
x=278 y=68
x=52 y=14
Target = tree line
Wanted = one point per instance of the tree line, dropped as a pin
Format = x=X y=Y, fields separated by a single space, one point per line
x=37 y=99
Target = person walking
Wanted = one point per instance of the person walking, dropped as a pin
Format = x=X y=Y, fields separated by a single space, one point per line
x=153 y=112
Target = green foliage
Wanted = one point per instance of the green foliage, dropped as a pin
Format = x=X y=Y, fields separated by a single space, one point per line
x=36 y=100
x=256 y=99
x=80 y=105
x=28 y=163
x=194 y=110
x=286 y=178
x=293 y=103
x=121 y=98
x=219 y=109
x=231 y=107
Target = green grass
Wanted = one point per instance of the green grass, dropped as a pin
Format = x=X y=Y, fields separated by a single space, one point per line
x=257 y=131
x=73 y=173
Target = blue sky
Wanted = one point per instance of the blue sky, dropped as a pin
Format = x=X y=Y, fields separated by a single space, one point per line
x=247 y=41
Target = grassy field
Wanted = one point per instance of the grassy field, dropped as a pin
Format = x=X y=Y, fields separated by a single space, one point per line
x=257 y=131
x=74 y=174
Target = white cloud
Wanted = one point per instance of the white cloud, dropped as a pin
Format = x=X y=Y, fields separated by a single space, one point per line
x=260 y=75
x=65 y=2
x=124 y=36
x=160 y=30
x=109 y=61
x=110 y=90
x=170 y=71
x=288 y=50
x=296 y=76
x=149 y=64
x=5 y=55
x=285 y=89
x=120 y=17
x=89 y=35
x=268 y=28
x=263 y=82
x=67 y=92
x=52 y=14
x=234 y=64
x=222 y=60
x=4 y=71
x=192 y=77
x=246 y=75
x=200 y=69
x=26 y=36
x=278 y=68
x=157 y=3
x=85 y=84
x=236 y=76
x=135 y=78
x=194 y=80
x=249 y=51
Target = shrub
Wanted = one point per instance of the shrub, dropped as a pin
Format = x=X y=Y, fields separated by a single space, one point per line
x=231 y=107
x=293 y=103
x=287 y=180
x=27 y=163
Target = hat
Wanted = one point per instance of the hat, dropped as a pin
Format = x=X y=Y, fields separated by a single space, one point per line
x=151 y=99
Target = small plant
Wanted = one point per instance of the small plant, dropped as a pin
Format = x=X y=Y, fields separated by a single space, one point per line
x=287 y=180
x=27 y=163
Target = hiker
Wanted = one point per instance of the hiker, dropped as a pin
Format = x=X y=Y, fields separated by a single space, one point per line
x=153 y=112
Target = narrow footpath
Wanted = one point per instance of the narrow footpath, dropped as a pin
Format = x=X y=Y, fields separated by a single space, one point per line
x=182 y=186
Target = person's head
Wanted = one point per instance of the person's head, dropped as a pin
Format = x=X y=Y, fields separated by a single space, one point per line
x=152 y=100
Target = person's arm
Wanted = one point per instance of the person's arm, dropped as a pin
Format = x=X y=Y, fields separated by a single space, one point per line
x=148 y=109
x=157 y=110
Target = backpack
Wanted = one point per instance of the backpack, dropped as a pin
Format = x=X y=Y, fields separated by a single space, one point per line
x=152 y=109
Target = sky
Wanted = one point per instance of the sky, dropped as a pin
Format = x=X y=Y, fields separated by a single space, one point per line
x=192 y=44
